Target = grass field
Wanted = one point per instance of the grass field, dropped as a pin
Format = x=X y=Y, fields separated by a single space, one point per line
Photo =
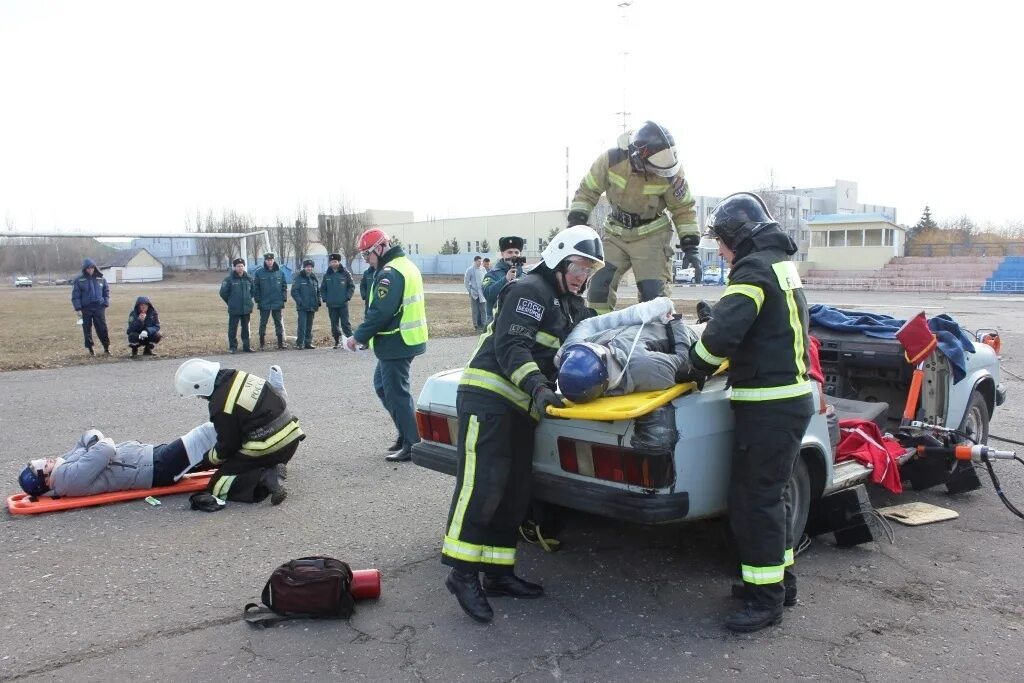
x=38 y=330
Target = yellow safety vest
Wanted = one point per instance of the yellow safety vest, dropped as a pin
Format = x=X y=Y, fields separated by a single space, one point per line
x=413 y=321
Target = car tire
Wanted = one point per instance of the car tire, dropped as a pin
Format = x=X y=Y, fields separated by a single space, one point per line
x=798 y=494
x=976 y=418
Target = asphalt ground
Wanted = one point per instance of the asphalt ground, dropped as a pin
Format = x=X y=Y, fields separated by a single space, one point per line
x=134 y=592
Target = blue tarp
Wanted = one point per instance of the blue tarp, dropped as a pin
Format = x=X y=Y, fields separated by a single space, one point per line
x=952 y=341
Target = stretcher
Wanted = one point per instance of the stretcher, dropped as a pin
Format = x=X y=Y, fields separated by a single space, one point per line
x=610 y=408
x=23 y=504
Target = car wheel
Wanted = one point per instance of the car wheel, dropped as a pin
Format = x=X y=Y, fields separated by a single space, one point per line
x=975 y=422
x=798 y=495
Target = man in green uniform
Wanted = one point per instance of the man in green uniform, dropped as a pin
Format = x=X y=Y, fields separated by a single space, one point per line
x=306 y=293
x=643 y=178
x=395 y=328
x=270 y=292
x=507 y=270
x=336 y=291
x=236 y=291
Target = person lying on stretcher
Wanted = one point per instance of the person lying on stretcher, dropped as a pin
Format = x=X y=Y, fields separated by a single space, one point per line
x=644 y=347
x=97 y=465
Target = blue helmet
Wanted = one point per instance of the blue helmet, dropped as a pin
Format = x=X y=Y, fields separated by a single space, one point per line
x=583 y=375
x=33 y=481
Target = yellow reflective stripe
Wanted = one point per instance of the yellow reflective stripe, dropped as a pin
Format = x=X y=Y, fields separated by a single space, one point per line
x=548 y=340
x=483 y=554
x=655 y=189
x=788 y=560
x=220 y=489
x=213 y=457
x=236 y=387
x=412 y=325
x=286 y=435
x=659 y=223
x=585 y=207
x=468 y=476
x=497 y=555
x=798 y=335
x=524 y=370
x=591 y=183
x=617 y=180
x=707 y=356
x=412 y=299
x=755 y=293
x=761 y=576
x=490 y=381
x=771 y=393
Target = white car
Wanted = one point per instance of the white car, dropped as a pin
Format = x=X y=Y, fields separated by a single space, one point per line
x=589 y=465
x=22 y=281
x=684 y=275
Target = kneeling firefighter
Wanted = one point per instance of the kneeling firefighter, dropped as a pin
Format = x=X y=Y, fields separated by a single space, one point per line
x=256 y=433
x=760 y=326
x=505 y=389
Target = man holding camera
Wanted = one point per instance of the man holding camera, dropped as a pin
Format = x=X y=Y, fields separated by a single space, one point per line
x=509 y=268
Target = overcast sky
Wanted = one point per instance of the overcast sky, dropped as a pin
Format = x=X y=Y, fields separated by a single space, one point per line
x=131 y=115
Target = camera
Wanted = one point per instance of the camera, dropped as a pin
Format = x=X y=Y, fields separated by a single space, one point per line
x=517 y=261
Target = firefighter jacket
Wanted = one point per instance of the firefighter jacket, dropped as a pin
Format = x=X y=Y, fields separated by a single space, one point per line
x=236 y=291
x=760 y=324
x=251 y=418
x=395 y=325
x=269 y=289
x=306 y=291
x=337 y=287
x=638 y=201
x=516 y=354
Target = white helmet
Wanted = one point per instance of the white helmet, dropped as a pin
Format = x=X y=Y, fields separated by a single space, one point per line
x=196 y=377
x=580 y=240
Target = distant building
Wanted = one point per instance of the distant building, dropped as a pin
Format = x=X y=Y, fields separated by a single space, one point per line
x=132 y=265
x=857 y=241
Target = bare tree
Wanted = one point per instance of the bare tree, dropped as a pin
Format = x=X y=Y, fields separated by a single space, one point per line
x=351 y=226
x=281 y=241
x=299 y=238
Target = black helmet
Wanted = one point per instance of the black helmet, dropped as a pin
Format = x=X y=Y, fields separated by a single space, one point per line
x=739 y=217
x=652 y=149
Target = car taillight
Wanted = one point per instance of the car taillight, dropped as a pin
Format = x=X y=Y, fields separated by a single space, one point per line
x=434 y=427
x=613 y=463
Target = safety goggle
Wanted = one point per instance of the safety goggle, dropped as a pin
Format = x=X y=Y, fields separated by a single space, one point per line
x=577 y=268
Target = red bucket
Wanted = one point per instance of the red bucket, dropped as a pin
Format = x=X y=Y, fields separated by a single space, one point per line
x=917 y=339
x=365 y=584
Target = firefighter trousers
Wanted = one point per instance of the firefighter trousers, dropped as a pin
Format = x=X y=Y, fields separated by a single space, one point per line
x=248 y=479
x=766 y=445
x=492 y=490
x=649 y=257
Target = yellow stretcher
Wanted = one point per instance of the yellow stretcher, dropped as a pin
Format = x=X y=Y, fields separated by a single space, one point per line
x=611 y=408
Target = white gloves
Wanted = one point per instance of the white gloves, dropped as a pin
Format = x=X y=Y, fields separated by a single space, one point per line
x=144 y=335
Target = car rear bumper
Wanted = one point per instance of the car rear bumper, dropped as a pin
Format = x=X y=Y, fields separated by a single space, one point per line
x=593 y=497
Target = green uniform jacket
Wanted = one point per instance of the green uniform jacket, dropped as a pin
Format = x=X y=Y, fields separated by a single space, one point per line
x=337 y=287
x=306 y=291
x=364 y=284
x=269 y=290
x=760 y=325
x=494 y=280
x=631 y=192
x=237 y=293
x=385 y=312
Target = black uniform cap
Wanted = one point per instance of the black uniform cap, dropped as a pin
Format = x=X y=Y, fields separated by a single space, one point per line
x=334 y=257
x=511 y=242
x=307 y=262
x=238 y=261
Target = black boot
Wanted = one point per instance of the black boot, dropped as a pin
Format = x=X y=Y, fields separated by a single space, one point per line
x=496 y=585
x=465 y=586
x=337 y=341
x=148 y=351
x=135 y=352
x=106 y=350
x=761 y=608
x=91 y=352
x=739 y=590
x=397 y=446
x=280 y=343
x=402 y=455
x=263 y=343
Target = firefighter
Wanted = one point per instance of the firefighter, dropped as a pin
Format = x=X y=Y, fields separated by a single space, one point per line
x=508 y=268
x=256 y=433
x=505 y=389
x=395 y=327
x=643 y=178
x=760 y=326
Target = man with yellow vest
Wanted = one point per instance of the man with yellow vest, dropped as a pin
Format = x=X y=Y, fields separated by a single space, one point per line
x=395 y=327
x=649 y=196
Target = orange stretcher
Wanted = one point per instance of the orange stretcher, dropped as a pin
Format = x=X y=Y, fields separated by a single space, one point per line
x=22 y=503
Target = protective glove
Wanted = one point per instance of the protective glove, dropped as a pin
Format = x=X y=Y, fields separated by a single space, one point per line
x=703 y=312
x=144 y=335
x=687 y=373
x=577 y=218
x=543 y=397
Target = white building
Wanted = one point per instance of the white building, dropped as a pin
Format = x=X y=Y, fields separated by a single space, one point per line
x=132 y=265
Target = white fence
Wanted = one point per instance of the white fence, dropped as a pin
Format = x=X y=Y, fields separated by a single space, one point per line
x=916 y=285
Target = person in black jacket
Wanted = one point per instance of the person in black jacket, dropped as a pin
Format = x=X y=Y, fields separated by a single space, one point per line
x=143 y=327
x=90 y=297
x=760 y=326
x=256 y=433
x=505 y=389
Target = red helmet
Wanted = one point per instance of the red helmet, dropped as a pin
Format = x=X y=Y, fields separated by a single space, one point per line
x=371 y=239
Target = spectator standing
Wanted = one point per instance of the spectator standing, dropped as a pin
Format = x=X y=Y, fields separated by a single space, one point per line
x=143 y=327
x=236 y=291
x=474 y=282
x=336 y=291
x=270 y=292
x=90 y=296
x=306 y=293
